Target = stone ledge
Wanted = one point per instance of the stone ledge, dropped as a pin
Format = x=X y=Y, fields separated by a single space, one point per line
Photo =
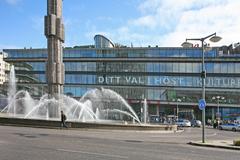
x=56 y=124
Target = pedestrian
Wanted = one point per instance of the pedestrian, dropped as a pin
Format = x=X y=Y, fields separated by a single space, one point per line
x=215 y=123
x=209 y=122
x=63 y=119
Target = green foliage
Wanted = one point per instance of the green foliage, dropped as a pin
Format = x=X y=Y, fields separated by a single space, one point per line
x=236 y=142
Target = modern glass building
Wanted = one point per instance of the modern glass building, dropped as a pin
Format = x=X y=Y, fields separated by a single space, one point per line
x=169 y=78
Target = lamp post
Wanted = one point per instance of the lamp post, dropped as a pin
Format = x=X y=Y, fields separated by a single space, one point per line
x=213 y=38
x=178 y=100
x=218 y=98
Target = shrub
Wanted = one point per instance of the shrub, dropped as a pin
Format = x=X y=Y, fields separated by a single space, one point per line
x=236 y=142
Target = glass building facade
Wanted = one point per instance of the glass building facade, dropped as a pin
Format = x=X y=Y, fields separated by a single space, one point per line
x=160 y=74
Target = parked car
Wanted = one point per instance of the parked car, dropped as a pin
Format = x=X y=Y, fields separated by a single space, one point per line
x=196 y=123
x=230 y=126
x=154 y=119
x=183 y=123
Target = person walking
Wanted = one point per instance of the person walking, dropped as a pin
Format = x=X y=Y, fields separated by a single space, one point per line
x=63 y=119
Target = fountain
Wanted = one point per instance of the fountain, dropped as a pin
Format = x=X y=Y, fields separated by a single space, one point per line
x=97 y=105
x=100 y=106
x=11 y=89
x=145 y=111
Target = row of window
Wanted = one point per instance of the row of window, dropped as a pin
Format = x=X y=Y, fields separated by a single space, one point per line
x=80 y=79
x=80 y=66
x=143 y=52
x=26 y=53
x=175 y=67
x=179 y=53
x=180 y=81
x=71 y=53
x=230 y=112
x=150 y=94
x=69 y=66
x=194 y=67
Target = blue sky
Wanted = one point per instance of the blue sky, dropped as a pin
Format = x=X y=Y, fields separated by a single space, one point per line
x=141 y=22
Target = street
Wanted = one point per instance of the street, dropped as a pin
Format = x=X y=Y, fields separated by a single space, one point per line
x=24 y=143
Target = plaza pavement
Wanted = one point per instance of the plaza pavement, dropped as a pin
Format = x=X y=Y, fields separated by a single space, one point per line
x=225 y=144
x=215 y=143
x=29 y=143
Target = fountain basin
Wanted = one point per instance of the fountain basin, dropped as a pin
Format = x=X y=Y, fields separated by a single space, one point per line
x=54 y=124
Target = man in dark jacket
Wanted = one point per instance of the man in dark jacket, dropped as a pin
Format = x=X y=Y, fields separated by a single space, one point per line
x=63 y=119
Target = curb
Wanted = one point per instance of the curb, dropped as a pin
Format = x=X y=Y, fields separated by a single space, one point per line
x=213 y=145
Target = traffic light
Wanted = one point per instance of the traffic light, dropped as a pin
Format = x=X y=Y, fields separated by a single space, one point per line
x=203 y=74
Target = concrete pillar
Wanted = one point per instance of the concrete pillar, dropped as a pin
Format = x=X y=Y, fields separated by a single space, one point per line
x=158 y=109
x=54 y=32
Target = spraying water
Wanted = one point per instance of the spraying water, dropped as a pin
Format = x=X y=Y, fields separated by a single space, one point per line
x=145 y=111
x=11 y=90
x=96 y=105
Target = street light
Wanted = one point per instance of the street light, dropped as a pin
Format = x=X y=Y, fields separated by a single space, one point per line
x=218 y=98
x=213 y=38
x=178 y=101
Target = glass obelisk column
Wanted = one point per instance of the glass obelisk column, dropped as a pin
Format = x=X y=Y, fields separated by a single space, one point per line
x=54 y=32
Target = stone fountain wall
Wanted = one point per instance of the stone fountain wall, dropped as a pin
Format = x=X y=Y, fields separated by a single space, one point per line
x=56 y=124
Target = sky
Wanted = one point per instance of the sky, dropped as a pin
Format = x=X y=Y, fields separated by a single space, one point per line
x=166 y=23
